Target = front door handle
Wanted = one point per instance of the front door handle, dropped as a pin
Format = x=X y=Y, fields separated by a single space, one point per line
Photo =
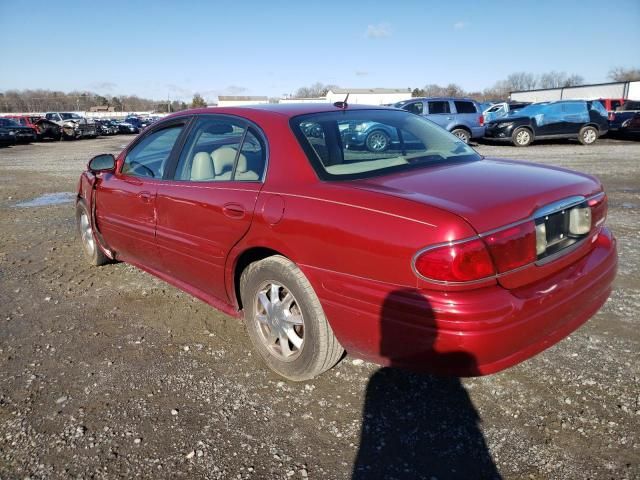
x=146 y=197
x=233 y=210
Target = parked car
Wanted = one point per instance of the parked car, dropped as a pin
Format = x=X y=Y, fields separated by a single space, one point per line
x=73 y=125
x=631 y=126
x=104 y=127
x=7 y=137
x=124 y=127
x=137 y=122
x=430 y=257
x=22 y=134
x=583 y=120
x=498 y=110
x=627 y=111
x=461 y=116
x=44 y=128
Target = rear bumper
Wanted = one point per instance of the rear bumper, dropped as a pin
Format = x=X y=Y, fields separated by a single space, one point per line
x=477 y=132
x=465 y=333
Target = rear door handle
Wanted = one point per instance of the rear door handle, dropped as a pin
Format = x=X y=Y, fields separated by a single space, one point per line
x=233 y=210
x=145 y=196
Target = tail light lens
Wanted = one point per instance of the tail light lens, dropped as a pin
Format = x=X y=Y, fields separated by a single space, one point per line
x=481 y=120
x=459 y=262
x=513 y=247
x=598 y=206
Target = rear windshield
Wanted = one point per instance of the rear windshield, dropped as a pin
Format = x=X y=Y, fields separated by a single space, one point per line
x=364 y=143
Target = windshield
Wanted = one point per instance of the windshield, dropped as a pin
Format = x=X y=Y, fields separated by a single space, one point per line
x=364 y=143
x=69 y=116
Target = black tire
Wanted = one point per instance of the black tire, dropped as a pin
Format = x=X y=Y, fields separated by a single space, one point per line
x=377 y=141
x=588 y=135
x=294 y=299
x=462 y=134
x=522 y=137
x=92 y=252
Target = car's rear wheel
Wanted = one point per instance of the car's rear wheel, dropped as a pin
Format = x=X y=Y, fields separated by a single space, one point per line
x=90 y=247
x=522 y=137
x=285 y=321
x=462 y=134
x=377 y=141
x=588 y=135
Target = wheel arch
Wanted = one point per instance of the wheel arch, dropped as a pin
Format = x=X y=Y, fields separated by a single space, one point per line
x=246 y=258
x=461 y=127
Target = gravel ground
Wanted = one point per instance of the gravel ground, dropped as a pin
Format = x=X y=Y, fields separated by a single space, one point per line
x=110 y=373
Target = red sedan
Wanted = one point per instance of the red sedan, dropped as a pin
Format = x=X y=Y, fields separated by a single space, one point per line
x=426 y=255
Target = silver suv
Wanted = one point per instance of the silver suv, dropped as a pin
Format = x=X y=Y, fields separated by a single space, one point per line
x=460 y=116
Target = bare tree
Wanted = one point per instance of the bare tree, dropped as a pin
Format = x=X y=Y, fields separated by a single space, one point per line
x=555 y=79
x=621 y=74
x=316 y=90
x=522 y=81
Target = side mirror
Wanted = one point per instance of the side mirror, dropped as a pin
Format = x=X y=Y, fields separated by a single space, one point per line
x=102 y=163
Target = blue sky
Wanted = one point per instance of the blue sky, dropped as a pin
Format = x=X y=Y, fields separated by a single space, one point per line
x=159 y=49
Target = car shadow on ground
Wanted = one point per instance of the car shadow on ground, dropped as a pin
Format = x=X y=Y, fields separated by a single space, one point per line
x=418 y=426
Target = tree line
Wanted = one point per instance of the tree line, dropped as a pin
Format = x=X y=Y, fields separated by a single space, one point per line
x=500 y=90
x=41 y=100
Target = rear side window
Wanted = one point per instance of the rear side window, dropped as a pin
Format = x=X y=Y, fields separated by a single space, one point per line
x=464 y=107
x=576 y=108
x=148 y=158
x=598 y=107
x=439 y=106
x=221 y=149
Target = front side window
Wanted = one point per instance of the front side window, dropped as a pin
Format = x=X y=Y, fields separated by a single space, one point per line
x=148 y=157
x=364 y=143
x=464 y=107
x=221 y=149
x=415 y=107
x=439 y=106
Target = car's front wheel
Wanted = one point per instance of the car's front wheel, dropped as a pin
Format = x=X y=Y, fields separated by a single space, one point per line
x=90 y=247
x=285 y=320
x=377 y=141
x=462 y=134
x=588 y=135
x=522 y=137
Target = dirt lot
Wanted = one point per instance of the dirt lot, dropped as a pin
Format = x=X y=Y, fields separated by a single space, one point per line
x=110 y=373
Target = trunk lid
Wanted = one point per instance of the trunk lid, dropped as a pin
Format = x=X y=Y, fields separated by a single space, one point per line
x=488 y=193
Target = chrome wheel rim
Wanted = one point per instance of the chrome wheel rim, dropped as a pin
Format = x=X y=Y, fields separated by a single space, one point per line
x=377 y=141
x=86 y=232
x=523 y=137
x=280 y=321
x=462 y=136
x=589 y=136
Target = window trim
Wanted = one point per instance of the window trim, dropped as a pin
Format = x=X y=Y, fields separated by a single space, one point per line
x=248 y=125
x=184 y=120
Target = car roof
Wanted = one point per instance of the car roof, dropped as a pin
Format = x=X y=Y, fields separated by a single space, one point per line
x=283 y=109
x=466 y=99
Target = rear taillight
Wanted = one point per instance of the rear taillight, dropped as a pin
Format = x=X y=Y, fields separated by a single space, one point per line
x=458 y=262
x=481 y=120
x=598 y=205
x=513 y=247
